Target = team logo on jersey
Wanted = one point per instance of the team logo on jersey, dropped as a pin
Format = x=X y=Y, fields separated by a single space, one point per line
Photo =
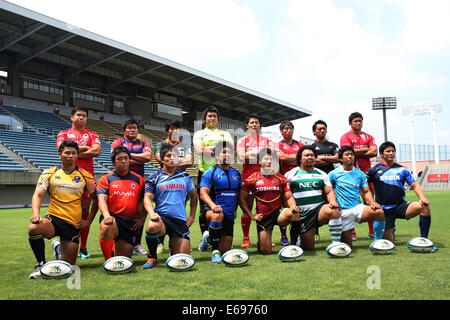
x=76 y=179
x=259 y=182
x=133 y=186
x=85 y=136
x=274 y=181
x=57 y=177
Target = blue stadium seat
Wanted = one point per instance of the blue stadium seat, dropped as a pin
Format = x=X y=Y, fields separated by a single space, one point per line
x=8 y=164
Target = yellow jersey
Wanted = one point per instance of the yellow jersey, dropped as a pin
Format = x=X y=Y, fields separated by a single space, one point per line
x=65 y=190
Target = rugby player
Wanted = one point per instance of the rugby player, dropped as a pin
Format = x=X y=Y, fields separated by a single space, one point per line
x=271 y=191
x=310 y=186
x=140 y=154
x=89 y=148
x=389 y=178
x=288 y=148
x=168 y=189
x=65 y=184
x=219 y=190
x=348 y=184
x=120 y=195
x=204 y=142
x=365 y=148
x=247 y=150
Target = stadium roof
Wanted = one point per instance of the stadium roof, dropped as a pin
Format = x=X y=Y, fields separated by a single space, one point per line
x=29 y=36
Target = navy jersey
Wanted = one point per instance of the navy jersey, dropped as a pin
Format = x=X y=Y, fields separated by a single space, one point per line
x=389 y=183
x=224 y=186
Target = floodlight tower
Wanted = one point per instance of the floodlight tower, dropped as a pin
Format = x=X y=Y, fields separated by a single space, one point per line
x=383 y=104
x=420 y=110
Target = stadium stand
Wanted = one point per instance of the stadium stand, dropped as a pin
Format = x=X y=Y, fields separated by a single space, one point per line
x=435 y=177
x=8 y=164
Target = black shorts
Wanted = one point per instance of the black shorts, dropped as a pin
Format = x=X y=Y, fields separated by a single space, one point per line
x=127 y=232
x=307 y=222
x=268 y=221
x=399 y=212
x=175 y=227
x=65 y=230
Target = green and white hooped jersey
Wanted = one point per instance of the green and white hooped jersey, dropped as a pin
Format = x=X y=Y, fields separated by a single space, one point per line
x=308 y=188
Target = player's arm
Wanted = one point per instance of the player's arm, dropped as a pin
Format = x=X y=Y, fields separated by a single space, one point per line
x=331 y=197
x=367 y=152
x=192 y=208
x=292 y=204
x=424 y=202
x=329 y=159
x=204 y=195
x=289 y=159
x=89 y=151
x=36 y=202
x=103 y=206
x=141 y=158
x=368 y=198
x=243 y=195
x=148 y=206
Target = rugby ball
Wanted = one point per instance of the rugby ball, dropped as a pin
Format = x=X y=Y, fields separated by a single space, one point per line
x=420 y=244
x=57 y=269
x=235 y=257
x=290 y=253
x=180 y=262
x=339 y=249
x=117 y=265
x=381 y=246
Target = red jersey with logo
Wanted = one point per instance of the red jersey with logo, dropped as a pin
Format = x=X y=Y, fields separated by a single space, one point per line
x=363 y=140
x=251 y=144
x=267 y=191
x=289 y=149
x=124 y=193
x=84 y=137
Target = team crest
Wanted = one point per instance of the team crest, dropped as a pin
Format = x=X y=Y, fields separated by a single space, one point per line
x=275 y=181
x=76 y=179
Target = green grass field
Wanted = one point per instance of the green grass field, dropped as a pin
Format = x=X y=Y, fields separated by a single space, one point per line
x=402 y=275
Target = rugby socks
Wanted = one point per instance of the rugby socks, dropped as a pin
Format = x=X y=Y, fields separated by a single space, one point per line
x=107 y=248
x=424 y=224
x=152 y=244
x=283 y=231
x=215 y=232
x=38 y=246
x=335 y=228
x=378 y=229
x=245 y=224
x=371 y=227
x=84 y=233
x=295 y=231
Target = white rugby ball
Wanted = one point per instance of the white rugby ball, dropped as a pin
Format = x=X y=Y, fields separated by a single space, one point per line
x=235 y=257
x=339 y=249
x=180 y=262
x=290 y=253
x=57 y=269
x=119 y=264
x=420 y=244
x=381 y=246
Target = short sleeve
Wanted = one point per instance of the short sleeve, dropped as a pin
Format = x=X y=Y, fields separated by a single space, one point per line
x=95 y=138
x=61 y=137
x=409 y=177
x=44 y=179
x=146 y=146
x=248 y=185
x=115 y=144
x=206 y=179
x=103 y=185
x=345 y=141
x=150 y=183
x=189 y=184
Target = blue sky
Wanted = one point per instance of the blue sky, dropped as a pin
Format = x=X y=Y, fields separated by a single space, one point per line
x=331 y=57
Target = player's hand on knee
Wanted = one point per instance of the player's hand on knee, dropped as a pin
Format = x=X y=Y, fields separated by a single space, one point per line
x=109 y=221
x=217 y=209
x=35 y=220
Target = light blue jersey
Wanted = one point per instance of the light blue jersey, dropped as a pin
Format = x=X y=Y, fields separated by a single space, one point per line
x=347 y=185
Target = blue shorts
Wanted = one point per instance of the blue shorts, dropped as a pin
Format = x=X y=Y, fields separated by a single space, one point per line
x=398 y=212
x=175 y=227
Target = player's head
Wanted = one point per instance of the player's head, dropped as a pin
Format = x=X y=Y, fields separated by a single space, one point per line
x=355 y=120
x=223 y=152
x=130 y=129
x=172 y=129
x=253 y=123
x=120 y=158
x=265 y=157
x=211 y=116
x=168 y=155
x=79 y=117
x=387 y=151
x=307 y=156
x=320 y=129
x=287 y=129
x=68 y=151
x=346 y=155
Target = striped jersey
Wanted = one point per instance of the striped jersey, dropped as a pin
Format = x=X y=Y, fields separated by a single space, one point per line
x=308 y=188
x=136 y=146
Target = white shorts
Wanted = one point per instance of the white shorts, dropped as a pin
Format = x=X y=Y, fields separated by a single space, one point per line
x=350 y=216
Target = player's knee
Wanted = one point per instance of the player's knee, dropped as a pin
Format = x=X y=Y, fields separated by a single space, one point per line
x=379 y=214
x=33 y=229
x=334 y=214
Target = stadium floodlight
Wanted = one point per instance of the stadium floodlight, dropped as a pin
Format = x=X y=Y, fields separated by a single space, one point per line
x=421 y=110
x=384 y=103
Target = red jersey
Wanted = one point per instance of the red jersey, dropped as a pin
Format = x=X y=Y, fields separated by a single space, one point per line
x=251 y=144
x=136 y=146
x=84 y=137
x=267 y=191
x=289 y=149
x=363 y=140
x=124 y=193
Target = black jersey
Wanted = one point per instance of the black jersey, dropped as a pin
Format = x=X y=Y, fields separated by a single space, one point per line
x=326 y=149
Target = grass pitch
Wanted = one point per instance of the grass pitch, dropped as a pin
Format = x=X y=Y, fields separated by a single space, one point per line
x=362 y=276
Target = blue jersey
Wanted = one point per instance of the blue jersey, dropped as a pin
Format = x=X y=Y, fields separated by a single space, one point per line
x=389 y=183
x=347 y=186
x=224 y=186
x=170 y=192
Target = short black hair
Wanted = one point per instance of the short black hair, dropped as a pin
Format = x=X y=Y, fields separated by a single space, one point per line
x=262 y=153
x=68 y=143
x=164 y=149
x=354 y=115
x=286 y=123
x=75 y=109
x=175 y=123
x=222 y=145
x=298 y=157
x=250 y=116
x=128 y=122
x=319 y=122
x=343 y=149
x=385 y=145
x=210 y=108
x=117 y=150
